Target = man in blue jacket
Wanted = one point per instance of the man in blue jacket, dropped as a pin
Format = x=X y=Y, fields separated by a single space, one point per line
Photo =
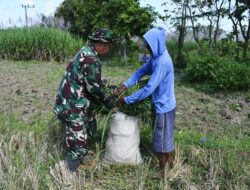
x=161 y=87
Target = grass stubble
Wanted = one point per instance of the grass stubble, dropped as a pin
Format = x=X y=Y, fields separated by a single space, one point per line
x=212 y=147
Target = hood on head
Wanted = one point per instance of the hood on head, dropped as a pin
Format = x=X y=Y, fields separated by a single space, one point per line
x=156 y=38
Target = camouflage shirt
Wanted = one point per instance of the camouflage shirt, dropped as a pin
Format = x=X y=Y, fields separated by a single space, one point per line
x=81 y=83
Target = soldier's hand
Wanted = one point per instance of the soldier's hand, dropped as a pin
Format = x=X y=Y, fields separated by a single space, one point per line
x=113 y=87
x=119 y=90
x=105 y=82
x=109 y=102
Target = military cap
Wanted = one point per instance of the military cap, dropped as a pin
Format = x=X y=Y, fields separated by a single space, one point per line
x=102 y=35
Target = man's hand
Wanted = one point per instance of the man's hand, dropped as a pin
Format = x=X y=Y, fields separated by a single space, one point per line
x=119 y=90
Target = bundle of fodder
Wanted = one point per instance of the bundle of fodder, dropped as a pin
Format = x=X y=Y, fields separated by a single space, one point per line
x=143 y=109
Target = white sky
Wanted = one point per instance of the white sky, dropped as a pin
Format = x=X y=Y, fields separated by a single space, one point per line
x=12 y=10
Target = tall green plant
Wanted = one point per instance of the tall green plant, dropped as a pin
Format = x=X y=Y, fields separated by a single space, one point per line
x=42 y=44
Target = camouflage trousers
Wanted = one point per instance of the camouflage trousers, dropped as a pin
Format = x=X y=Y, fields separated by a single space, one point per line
x=78 y=127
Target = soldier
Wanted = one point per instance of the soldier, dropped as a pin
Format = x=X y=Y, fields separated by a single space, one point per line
x=80 y=85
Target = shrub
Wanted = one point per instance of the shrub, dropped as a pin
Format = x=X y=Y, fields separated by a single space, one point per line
x=179 y=59
x=228 y=47
x=219 y=73
x=42 y=44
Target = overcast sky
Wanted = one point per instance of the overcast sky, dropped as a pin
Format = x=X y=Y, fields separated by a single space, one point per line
x=12 y=12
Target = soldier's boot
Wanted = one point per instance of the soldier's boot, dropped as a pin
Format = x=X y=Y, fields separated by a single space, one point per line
x=72 y=164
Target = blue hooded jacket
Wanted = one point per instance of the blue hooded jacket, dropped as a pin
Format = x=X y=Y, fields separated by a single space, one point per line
x=160 y=67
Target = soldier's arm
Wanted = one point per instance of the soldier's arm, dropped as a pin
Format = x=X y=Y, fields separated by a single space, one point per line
x=94 y=82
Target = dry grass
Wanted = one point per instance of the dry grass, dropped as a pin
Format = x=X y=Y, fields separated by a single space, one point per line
x=24 y=158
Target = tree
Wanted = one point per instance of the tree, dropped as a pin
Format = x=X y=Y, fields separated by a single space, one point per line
x=241 y=7
x=123 y=17
x=235 y=22
x=182 y=32
x=213 y=11
x=180 y=20
x=80 y=14
x=239 y=14
x=126 y=18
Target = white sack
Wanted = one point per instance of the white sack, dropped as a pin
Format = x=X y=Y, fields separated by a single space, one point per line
x=122 y=145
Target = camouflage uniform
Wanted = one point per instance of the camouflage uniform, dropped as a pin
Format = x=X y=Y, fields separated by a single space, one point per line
x=80 y=85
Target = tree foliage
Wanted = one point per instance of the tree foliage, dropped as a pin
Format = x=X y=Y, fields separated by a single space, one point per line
x=79 y=13
x=123 y=17
x=239 y=13
x=180 y=21
x=212 y=12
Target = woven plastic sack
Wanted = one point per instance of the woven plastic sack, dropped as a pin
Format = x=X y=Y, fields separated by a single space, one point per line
x=122 y=145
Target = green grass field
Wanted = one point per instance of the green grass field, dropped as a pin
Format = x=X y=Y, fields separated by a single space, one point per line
x=212 y=138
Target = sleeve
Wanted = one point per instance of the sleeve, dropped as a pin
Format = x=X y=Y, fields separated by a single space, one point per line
x=156 y=78
x=94 y=82
x=144 y=70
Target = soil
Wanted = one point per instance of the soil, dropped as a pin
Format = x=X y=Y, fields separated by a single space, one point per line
x=24 y=89
x=29 y=89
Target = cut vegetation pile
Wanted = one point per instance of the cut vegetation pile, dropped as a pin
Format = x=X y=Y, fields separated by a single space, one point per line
x=143 y=109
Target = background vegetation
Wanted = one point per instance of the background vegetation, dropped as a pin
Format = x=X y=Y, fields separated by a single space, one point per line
x=118 y=15
x=43 y=44
x=216 y=72
x=217 y=68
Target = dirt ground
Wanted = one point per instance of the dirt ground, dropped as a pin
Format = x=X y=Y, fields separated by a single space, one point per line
x=25 y=89
x=29 y=89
